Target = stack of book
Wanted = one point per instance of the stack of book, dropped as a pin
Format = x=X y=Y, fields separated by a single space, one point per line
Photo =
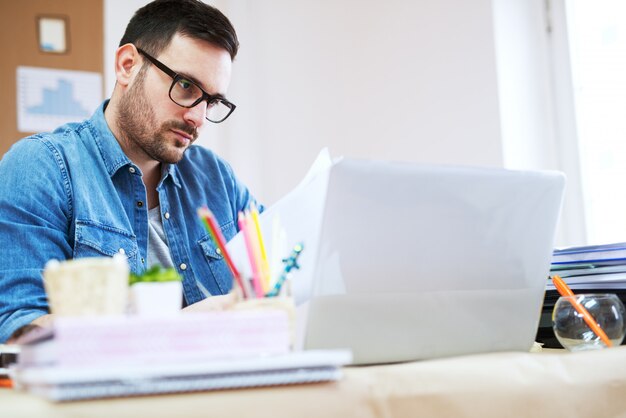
x=83 y=358
x=586 y=269
x=601 y=267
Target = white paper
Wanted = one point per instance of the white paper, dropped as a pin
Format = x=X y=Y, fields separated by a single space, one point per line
x=48 y=98
x=52 y=35
x=294 y=219
x=322 y=163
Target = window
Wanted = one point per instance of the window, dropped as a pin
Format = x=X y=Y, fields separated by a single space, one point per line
x=597 y=48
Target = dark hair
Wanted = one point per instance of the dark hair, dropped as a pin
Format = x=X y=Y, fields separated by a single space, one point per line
x=153 y=26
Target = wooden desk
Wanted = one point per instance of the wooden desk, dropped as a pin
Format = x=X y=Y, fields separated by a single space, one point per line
x=550 y=384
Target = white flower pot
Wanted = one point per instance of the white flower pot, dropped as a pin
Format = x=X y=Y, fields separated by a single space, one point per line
x=156 y=298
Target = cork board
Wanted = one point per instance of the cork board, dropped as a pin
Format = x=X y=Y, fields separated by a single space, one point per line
x=19 y=43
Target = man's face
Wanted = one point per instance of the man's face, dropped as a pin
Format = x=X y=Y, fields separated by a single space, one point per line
x=150 y=122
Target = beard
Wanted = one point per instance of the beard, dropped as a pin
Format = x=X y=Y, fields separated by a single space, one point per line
x=137 y=121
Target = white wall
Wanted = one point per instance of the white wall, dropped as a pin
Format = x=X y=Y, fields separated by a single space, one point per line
x=439 y=81
x=395 y=80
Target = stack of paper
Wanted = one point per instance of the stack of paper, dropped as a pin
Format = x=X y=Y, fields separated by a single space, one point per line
x=122 y=356
x=601 y=267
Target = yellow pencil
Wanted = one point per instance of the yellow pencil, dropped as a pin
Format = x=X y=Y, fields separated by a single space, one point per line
x=256 y=250
x=265 y=266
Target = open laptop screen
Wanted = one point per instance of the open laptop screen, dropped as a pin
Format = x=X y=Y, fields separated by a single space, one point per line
x=417 y=261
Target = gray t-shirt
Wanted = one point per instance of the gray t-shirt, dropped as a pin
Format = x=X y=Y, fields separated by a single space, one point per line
x=158 y=250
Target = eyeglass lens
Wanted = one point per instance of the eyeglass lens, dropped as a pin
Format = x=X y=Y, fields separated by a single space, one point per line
x=185 y=93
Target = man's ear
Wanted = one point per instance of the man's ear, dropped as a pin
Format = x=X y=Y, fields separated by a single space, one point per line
x=127 y=64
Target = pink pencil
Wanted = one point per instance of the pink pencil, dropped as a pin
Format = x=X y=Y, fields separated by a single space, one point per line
x=256 y=282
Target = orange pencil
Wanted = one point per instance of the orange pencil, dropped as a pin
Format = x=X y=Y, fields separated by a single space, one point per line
x=564 y=290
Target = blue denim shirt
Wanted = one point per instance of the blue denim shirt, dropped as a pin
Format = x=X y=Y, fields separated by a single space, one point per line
x=74 y=193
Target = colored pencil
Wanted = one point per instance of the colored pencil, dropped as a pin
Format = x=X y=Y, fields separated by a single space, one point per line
x=244 y=226
x=214 y=230
x=265 y=267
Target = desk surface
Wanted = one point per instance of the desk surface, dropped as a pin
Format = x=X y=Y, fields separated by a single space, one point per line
x=554 y=383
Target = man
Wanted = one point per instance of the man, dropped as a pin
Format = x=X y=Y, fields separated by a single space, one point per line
x=128 y=180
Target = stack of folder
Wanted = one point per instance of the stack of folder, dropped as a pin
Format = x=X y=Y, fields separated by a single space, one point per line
x=586 y=269
x=83 y=358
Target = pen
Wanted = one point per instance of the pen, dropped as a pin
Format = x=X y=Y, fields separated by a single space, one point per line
x=290 y=264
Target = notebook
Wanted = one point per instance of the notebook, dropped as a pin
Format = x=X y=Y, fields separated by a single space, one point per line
x=60 y=383
x=408 y=261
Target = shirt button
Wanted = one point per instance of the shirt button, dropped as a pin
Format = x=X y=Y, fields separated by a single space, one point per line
x=167 y=215
x=132 y=170
x=183 y=266
x=139 y=204
x=217 y=250
x=121 y=251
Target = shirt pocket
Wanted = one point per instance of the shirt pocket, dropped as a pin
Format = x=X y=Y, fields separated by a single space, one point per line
x=97 y=240
x=217 y=264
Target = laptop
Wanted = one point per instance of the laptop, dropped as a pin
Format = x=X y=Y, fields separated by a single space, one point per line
x=407 y=261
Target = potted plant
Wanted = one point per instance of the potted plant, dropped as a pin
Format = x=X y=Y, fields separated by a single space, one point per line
x=158 y=291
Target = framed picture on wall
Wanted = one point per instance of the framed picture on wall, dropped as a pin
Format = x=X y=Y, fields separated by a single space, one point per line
x=53 y=34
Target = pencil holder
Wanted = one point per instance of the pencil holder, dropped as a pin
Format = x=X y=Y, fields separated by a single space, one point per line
x=574 y=331
x=87 y=286
x=285 y=304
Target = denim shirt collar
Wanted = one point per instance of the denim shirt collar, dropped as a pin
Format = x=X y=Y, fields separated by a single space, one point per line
x=111 y=152
x=171 y=171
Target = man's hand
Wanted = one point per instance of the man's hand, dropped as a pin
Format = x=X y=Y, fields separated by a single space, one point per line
x=43 y=321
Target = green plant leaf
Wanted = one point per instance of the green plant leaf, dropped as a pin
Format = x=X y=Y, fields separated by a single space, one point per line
x=155 y=274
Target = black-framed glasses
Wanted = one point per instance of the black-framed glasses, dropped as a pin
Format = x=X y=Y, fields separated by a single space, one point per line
x=186 y=93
